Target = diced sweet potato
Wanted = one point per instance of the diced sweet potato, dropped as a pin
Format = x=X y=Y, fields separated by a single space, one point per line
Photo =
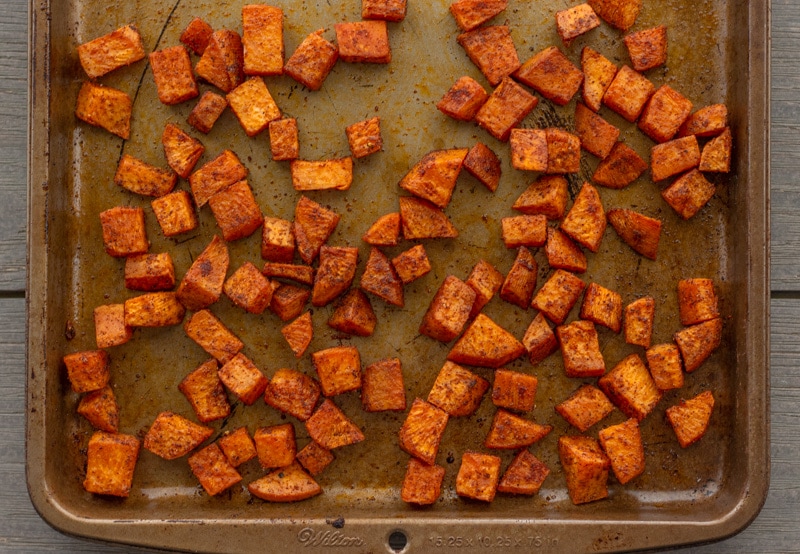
x=622 y=167
x=289 y=301
x=237 y=446
x=364 y=137
x=528 y=149
x=602 y=306
x=339 y=369
x=175 y=213
x=433 y=178
x=509 y=431
x=422 y=430
x=154 y=309
x=337 y=268
x=647 y=48
x=116 y=49
x=597 y=135
x=206 y=112
x=621 y=14
x=275 y=445
x=241 y=376
x=697 y=301
x=354 y=315
x=551 y=74
x=585 y=222
x=598 y=73
x=216 y=176
x=287 y=484
x=312 y=61
x=638 y=231
x=623 y=446
x=331 y=428
x=524 y=475
x=236 y=211
x=628 y=93
x=100 y=408
x=253 y=106
x=485 y=280
x=313 y=224
x=196 y=35
x=457 y=390
x=149 y=272
x=283 y=139
x=471 y=14
x=388 y=10
x=172 y=436
x=580 y=348
x=382 y=386
x=111 y=460
x=277 y=240
x=539 y=339
x=299 y=334
x=181 y=150
x=202 y=284
x=689 y=193
x=664 y=363
x=203 y=389
x=422 y=220
x=486 y=344
x=412 y=264
x=524 y=230
x=664 y=114
x=222 y=62
x=449 y=310
x=716 y=154
x=292 y=392
x=105 y=107
x=334 y=174
x=558 y=295
x=638 y=321
x=478 y=476
x=575 y=21
x=463 y=100
x=563 y=151
x=142 y=178
x=212 y=336
x=492 y=50
x=172 y=71
x=706 y=122
x=109 y=325
x=484 y=165
x=585 y=407
x=690 y=418
x=314 y=458
x=520 y=281
x=631 y=388
x=698 y=342
x=514 y=390
x=385 y=231
x=506 y=107
x=249 y=289
x=547 y=195
x=585 y=468
x=674 y=157
x=381 y=279
x=422 y=483
x=363 y=41
x=262 y=39
x=124 y=232
x=213 y=470
x=562 y=253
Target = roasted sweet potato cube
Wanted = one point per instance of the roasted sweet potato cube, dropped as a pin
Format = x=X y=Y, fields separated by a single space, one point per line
x=422 y=430
x=100 y=408
x=484 y=165
x=485 y=280
x=514 y=390
x=300 y=273
x=638 y=321
x=563 y=151
x=674 y=157
x=337 y=268
x=181 y=151
x=457 y=390
x=299 y=334
x=339 y=369
x=433 y=178
x=203 y=389
x=690 y=418
x=202 y=284
x=551 y=74
x=381 y=279
x=547 y=195
x=558 y=295
x=105 y=107
x=314 y=458
x=585 y=222
x=171 y=436
x=597 y=135
x=539 y=339
x=213 y=470
x=216 y=176
x=222 y=62
x=562 y=253
x=262 y=39
x=385 y=231
x=449 y=310
x=598 y=73
x=249 y=289
x=622 y=444
x=647 y=48
x=621 y=14
x=241 y=376
x=382 y=386
x=363 y=41
x=492 y=50
x=287 y=484
x=471 y=14
x=331 y=428
x=506 y=107
x=313 y=224
x=311 y=62
x=622 y=167
x=689 y=193
x=580 y=348
x=463 y=100
x=237 y=446
x=124 y=232
x=602 y=306
x=354 y=315
x=333 y=174
x=664 y=363
x=111 y=460
x=716 y=154
x=175 y=213
x=206 y=112
x=528 y=149
x=478 y=476
x=172 y=71
x=149 y=272
x=142 y=178
x=111 y=51
x=631 y=388
x=585 y=407
x=288 y=301
x=212 y=336
x=575 y=21
x=706 y=122
x=109 y=325
x=698 y=342
x=664 y=114
x=253 y=106
x=628 y=93
x=697 y=301
x=524 y=475
x=486 y=344
x=388 y=10
x=154 y=309
x=509 y=431
x=520 y=281
x=585 y=468
x=422 y=483
x=275 y=445
x=283 y=139
x=412 y=264
x=422 y=220
x=236 y=211
x=277 y=240
x=196 y=35
x=292 y=392
x=364 y=137
x=524 y=230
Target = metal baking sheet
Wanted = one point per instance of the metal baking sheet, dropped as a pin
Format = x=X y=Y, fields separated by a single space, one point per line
x=718 y=52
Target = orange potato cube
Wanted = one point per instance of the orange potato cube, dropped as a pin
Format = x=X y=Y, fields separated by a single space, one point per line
x=216 y=176
x=180 y=150
x=331 y=428
x=206 y=112
x=524 y=475
x=631 y=388
x=175 y=213
x=528 y=149
x=196 y=35
x=449 y=310
x=580 y=348
x=299 y=334
x=262 y=39
x=689 y=193
x=647 y=48
x=706 y=122
x=322 y=174
x=539 y=339
x=664 y=114
x=312 y=61
x=585 y=407
x=575 y=21
x=697 y=301
x=484 y=165
x=433 y=178
x=597 y=135
x=292 y=392
x=111 y=460
x=620 y=168
x=172 y=72
x=621 y=14
x=558 y=295
x=213 y=470
x=313 y=224
x=364 y=137
x=105 y=107
x=585 y=468
x=514 y=390
x=237 y=446
x=492 y=50
x=602 y=306
x=673 y=157
x=363 y=41
x=314 y=458
x=142 y=178
x=422 y=484
x=287 y=484
x=664 y=363
x=249 y=289
x=547 y=195
x=283 y=139
x=563 y=151
x=354 y=315
x=288 y=301
x=253 y=106
x=422 y=430
x=236 y=211
x=598 y=72
x=486 y=344
x=457 y=390
x=100 y=408
x=388 y=10
x=471 y=14
x=154 y=309
x=698 y=342
x=478 y=476
x=485 y=280
x=337 y=268
x=422 y=220
x=509 y=431
x=301 y=273
x=212 y=336
x=109 y=325
x=381 y=279
x=116 y=49
x=506 y=107
x=690 y=418
x=638 y=321
x=412 y=264
x=222 y=62
x=562 y=253
x=202 y=284
x=277 y=240
x=385 y=231
x=339 y=369
x=524 y=230
x=622 y=444
x=382 y=387
x=628 y=93
x=520 y=281
x=172 y=436
x=275 y=446
x=716 y=154
x=463 y=100
x=243 y=378
x=551 y=74
x=585 y=223
x=124 y=232
x=149 y=272
x=203 y=389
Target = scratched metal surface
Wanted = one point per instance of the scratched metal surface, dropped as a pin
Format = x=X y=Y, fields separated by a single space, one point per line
x=701 y=488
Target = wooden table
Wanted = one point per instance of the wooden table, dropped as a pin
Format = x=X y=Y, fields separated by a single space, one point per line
x=777 y=529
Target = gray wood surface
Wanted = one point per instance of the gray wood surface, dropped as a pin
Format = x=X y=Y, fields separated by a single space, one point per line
x=777 y=529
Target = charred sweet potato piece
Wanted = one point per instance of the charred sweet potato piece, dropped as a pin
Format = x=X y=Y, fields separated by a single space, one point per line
x=412 y=264
x=484 y=165
x=422 y=483
x=602 y=306
x=585 y=222
x=339 y=369
x=300 y=273
x=381 y=279
x=124 y=231
x=524 y=230
x=213 y=470
x=202 y=284
x=509 y=431
x=385 y=231
x=463 y=100
x=142 y=178
x=664 y=363
x=253 y=106
x=100 y=408
x=597 y=135
x=110 y=463
x=337 y=268
x=628 y=93
x=689 y=193
x=580 y=348
x=181 y=150
x=312 y=61
x=697 y=301
x=149 y=272
x=172 y=72
x=249 y=289
x=172 y=436
x=558 y=295
x=288 y=301
x=598 y=72
x=284 y=142
x=175 y=213
x=287 y=484
x=631 y=388
x=203 y=389
x=111 y=51
x=262 y=39
x=433 y=178
x=275 y=445
x=154 y=309
x=638 y=320
x=485 y=280
x=706 y=122
x=698 y=342
x=330 y=428
x=528 y=149
x=551 y=74
x=236 y=211
x=716 y=154
x=212 y=336
x=196 y=35
x=547 y=195
x=674 y=157
x=110 y=328
x=457 y=390
x=520 y=281
x=514 y=390
x=422 y=220
x=241 y=376
x=206 y=112
x=575 y=21
x=524 y=475
x=387 y=10
x=585 y=468
x=313 y=224
x=471 y=14
x=216 y=176
x=562 y=253
x=506 y=107
x=335 y=174
x=478 y=476
x=690 y=418
x=292 y=392
x=585 y=407
x=664 y=114
x=299 y=334
x=237 y=446
x=105 y=107
x=621 y=14
x=563 y=151
x=364 y=137
x=354 y=315
x=622 y=444
x=222 y=62
x=422 y=431
x=621 y=167
x=277 y=240
x=382 y=386
x=449 y=310
x=539 y=339
x=363 y=41
x=314 y=458
x=647 y=48
x=486 y=344
x=492 y=50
